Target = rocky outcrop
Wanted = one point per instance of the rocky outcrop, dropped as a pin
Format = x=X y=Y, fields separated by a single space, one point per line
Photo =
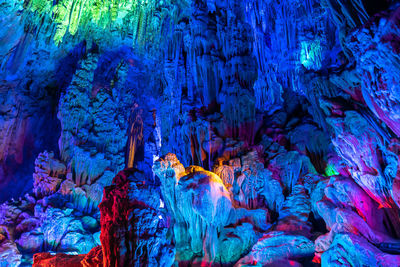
x=354 y=250
x=284 y=116
x=376 y=45
x=348 y=211
x=46 y=259
x=31 y=226
x=28 y=126
x=198 y=200
x=278 y=248
x=134 y=225
x=9 y=254
x=93 y=259
x=49 y=173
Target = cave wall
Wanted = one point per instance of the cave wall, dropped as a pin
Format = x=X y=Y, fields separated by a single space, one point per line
x=288 y=109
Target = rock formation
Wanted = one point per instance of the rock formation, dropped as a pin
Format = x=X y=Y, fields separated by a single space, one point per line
x=194 y=132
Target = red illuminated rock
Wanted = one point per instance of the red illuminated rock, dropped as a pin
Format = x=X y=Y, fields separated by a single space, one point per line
x=133 y=225
x=45 y=259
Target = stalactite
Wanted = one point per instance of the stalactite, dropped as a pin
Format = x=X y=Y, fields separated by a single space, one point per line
x=135 y=136
x=285 y=112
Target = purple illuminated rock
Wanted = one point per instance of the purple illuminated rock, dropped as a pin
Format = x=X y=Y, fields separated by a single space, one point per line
x=363 y=147
x=349 y=211
x=293 y=105
x=353 y=250
x=376 y=45
x=9 y=254
x=48 y=175
x=278 y=247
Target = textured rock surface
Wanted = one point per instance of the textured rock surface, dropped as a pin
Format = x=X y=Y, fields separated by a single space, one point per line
x=48 y=174
x=284 y=116
x=133 y=225
x=276 y=247
x=31 y=226
x=352 y=250
x=46 y=259
x=9 y=254
x=93 y=259
x=205 y=222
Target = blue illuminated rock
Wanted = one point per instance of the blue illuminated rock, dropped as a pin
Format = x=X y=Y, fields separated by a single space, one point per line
x=376 y=46
x=9 y=254
x=48 y=174
x=284 y=113
x=353 y=250
x=204 y=219
x=133 y=220
x=374 y=166
x=275 y=247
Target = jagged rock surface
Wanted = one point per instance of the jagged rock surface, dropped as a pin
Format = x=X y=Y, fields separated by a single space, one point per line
x=134 y=226
x=286 y=112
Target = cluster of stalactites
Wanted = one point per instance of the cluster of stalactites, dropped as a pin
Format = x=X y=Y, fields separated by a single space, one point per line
x=142 y=21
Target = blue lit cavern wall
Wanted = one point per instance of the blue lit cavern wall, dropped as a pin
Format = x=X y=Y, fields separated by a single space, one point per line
x=199 y=133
